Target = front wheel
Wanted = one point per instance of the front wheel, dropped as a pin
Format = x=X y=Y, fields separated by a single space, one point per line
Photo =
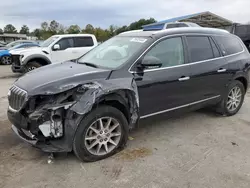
x=31 y=66
x=6 y=60
x=233 y=100
x=102 y=133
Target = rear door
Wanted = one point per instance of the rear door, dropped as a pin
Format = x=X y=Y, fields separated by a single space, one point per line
x=65 y=51
x=210 y=74
x=82 y=45
x=166 y=88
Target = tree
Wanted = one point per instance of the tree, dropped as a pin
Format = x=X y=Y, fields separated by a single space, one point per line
x=44 y=26
x=1 y=31
x=10 y=29
x=53 y=27
x=74 y=29
x=37 y=33
x=112 y=30
x=121 y=29
x=24 y=30
x=101 y=34
x=138 y=24
x=61 y=29
x=89 y=29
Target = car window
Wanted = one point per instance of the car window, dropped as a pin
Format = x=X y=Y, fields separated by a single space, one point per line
x=229 y=45
x=199 y=48
x=169 y=52
x=83 y=41
x=65 y=43
x=215 y=49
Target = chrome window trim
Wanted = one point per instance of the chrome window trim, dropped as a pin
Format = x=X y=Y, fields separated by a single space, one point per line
x=186 y=64
x=178 y=107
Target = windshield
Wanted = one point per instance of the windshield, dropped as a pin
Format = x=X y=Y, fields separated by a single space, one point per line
x=49 y=41
x=114 y=52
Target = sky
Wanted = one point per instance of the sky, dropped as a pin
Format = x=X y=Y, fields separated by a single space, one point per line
x=102 y=13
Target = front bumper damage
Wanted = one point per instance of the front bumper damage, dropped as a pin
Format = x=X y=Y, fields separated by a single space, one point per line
x=51 y=127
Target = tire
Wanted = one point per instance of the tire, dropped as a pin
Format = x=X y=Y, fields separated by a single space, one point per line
x=6 y=60
x=81 y=146
x=224 y=106
x=31 y=66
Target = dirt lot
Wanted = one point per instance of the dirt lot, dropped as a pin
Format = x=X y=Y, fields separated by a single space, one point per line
x=198 y=149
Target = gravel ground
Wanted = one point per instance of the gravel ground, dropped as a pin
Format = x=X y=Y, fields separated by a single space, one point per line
x=198 y=149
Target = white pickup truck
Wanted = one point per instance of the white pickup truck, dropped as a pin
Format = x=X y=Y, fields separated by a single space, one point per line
x=55 y=49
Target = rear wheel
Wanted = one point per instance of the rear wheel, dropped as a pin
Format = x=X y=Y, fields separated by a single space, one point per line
x=6 y=60
x=102 y=133
x=233 y=100
x=31 y=66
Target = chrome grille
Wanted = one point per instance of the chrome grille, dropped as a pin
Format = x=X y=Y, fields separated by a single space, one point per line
x=16 y=97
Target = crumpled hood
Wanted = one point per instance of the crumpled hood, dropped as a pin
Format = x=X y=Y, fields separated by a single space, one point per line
x=59 y=77
x=29 y=50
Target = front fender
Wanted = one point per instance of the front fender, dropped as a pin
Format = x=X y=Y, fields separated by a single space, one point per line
x=36 y=56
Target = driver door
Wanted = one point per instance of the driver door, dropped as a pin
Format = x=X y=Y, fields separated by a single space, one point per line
x=166 y=88
x=65 y=52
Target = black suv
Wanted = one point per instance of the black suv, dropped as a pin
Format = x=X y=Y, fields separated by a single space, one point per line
x=89 y=105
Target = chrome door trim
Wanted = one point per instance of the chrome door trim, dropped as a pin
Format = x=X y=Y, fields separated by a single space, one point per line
x=178 y=107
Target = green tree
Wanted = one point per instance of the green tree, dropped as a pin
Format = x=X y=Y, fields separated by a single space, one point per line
x=61 y=29
x=44 y=26
x=10 y=29
x=24 y=30
x=112 y=30
x=89 y=29
x=37 y=33
x=101 y=35
x=53 y=27
x=121 y=29
x=74 y=29
x=1 y=31
x=138 y=24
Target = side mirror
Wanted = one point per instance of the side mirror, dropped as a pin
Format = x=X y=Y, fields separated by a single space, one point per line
x=56 y=47
x=150 y=62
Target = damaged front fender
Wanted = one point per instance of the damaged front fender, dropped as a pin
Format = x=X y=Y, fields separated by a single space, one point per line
x=60 y=121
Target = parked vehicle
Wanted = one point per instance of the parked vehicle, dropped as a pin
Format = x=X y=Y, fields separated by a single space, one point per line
x=5 y=55
x=89 y=105
x=57 y=48
x=2 y=44
x=242 y=31
x=14 y=43
x=169 y=25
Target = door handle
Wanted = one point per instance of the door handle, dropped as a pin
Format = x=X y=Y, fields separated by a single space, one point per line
x=184 y=78
x=222 y=70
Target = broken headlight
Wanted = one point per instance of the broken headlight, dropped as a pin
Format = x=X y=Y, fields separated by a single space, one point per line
x=48 y=111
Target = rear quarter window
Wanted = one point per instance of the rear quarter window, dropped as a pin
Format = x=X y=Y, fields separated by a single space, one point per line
x=229 y=45
x=83 y=41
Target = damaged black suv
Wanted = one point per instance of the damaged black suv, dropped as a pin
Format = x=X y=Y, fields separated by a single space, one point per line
x=89 y=105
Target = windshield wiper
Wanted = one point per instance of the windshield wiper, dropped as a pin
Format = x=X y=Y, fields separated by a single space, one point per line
x=89 y=64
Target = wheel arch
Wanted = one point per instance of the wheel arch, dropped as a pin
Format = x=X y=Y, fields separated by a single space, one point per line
x=243 y=80
x=43 y=60
x=117 y=101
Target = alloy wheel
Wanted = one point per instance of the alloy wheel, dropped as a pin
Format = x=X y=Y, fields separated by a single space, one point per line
x=31 y=68
x=6 y=60
x=102 y=136
x=234 y=98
